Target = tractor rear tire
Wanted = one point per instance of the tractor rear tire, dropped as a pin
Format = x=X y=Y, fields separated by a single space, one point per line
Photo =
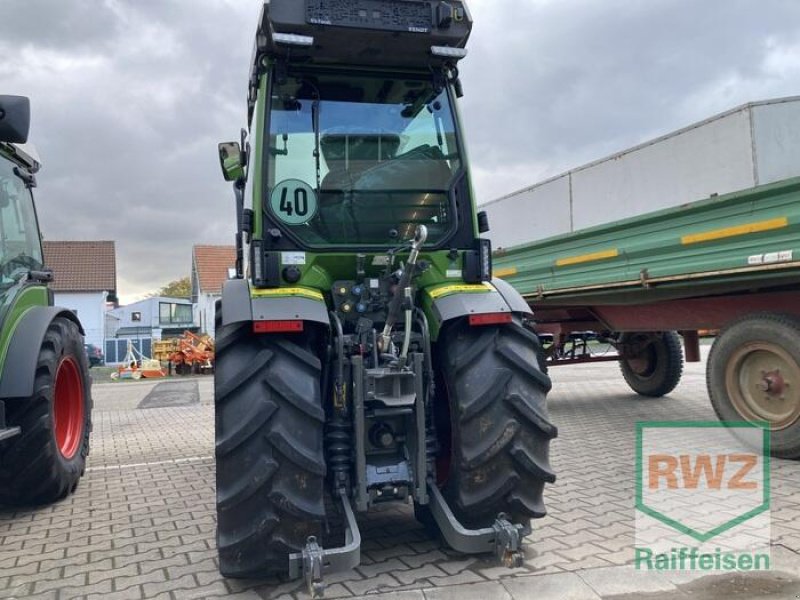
x=657 y=367
x=45 y=462
x=269 y=449
x=500 y=430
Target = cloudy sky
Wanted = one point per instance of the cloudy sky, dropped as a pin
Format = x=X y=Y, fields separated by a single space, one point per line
x=130 y=98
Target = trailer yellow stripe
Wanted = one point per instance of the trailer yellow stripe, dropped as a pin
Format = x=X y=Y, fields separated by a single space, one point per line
x=506 y=272
x=725 y=232
x=584 y=258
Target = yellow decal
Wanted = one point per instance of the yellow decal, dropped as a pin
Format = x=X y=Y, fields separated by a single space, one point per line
x=717 y=234
x=507 y=272
x=463 y=288
x=584 y=258
x=295 y=291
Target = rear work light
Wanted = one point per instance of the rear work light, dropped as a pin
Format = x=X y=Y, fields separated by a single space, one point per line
x=277 y=326
x=490 y=319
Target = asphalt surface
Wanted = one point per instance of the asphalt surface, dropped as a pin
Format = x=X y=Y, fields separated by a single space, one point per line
x=142 y=522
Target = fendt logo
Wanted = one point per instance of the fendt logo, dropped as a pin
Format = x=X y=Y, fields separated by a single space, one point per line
x=698 y=482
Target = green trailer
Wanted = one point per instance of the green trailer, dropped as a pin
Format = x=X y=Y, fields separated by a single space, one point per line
x=728 y=263
x=45 y=389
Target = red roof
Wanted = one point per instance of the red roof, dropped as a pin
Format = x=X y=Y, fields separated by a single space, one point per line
x=81 y=266
x=211 y=263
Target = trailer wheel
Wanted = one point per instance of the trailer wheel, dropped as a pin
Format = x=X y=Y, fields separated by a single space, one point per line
x=496 y=455
x=46 y=461
x=269 y=453
x=652 y=363
x=754 y=375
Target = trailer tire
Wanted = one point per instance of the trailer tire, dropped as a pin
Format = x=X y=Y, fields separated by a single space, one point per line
x=656 y=368
x=756 y=352
x=269 y=449
x=45 y=462
x=499 y=428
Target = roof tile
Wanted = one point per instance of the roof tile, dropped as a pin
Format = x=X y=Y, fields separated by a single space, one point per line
x=81 y=266
x=212 y=264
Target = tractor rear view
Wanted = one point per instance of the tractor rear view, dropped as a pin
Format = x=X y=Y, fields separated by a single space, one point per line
x=45 y=399
x=365 y=354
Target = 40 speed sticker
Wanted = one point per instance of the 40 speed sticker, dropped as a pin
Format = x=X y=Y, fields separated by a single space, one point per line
x=293 y=201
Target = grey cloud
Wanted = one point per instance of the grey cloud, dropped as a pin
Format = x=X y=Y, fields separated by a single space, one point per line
x=131 y=96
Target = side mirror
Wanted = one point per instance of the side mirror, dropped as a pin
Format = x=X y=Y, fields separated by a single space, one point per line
x=230 y=159
x=15 y=119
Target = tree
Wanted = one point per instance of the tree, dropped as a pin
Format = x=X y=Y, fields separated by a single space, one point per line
x=180 y=288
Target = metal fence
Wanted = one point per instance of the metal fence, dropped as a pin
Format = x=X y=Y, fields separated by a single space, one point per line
x=116 y=348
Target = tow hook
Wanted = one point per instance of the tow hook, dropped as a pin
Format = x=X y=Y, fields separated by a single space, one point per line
x=508 y=547
x=312 y=567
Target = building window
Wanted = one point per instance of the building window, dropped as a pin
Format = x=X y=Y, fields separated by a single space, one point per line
x=136 y=316
x=170 y=313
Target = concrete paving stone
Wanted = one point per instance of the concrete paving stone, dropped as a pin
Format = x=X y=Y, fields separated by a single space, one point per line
x=414 y=575
x=581 y=551
x=452 y=567
x=132 y=593
x=371 y=586
x=611 y=581
x=402 y=595
x=496 y=571
x=387 y=566
x=487 y=590
x=590 y=562
x=381 y=554
x=457 y=579
x=129 y=570
x=785 y=560
x=46 y=585
x=123 y=583
x=557 y=586
x=104 y=587
x=417 y=560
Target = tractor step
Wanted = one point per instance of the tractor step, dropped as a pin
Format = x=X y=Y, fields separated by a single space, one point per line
x=6 y=432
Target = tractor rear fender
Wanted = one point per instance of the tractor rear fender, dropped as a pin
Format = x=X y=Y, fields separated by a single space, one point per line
x=499 y=297
x=19 y=368
x=238 y=306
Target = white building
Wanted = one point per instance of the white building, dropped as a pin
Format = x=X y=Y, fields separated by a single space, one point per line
x=210 y=268
x=84 y=281
x=750 y=145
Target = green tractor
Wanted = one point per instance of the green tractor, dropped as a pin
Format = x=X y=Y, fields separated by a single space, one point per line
x=365 y=354
x=45 y=389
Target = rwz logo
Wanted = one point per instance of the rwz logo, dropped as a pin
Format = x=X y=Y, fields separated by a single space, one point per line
x=702 y=478
x=716 y=471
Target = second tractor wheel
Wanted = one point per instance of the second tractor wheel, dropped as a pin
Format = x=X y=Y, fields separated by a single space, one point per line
x=46 y=461
x=269 y=449
x=753 y=374
x=496 y=440
x=652 y=364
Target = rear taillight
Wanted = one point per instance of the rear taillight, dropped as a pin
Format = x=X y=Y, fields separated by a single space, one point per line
x=285 y=326
x=490 y=319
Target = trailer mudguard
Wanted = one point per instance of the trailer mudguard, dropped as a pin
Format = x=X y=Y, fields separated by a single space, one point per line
x=19 y=369
x=240 y=303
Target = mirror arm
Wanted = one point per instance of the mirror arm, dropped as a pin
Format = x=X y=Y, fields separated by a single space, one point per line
x=238 y=192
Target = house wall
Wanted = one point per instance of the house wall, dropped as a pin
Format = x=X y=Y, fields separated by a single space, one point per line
x=205 y=312
x=90 y=308
x=150 y=324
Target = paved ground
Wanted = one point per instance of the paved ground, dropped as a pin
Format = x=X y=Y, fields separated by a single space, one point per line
x=142 y=522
